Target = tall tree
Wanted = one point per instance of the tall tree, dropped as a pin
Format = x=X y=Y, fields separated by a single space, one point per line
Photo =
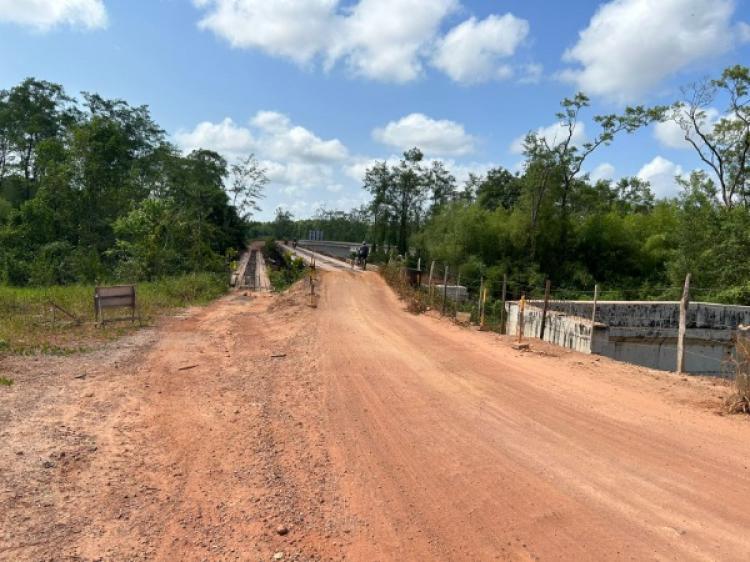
x=408 y=194
x=722 y=144
x=441 y=185
x=247 y=180
x=500 y=188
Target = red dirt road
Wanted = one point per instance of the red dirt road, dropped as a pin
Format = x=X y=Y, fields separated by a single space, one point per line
x=373 y=435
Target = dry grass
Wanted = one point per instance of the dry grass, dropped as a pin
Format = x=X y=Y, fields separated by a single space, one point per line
x=29 y=325
x=739 y=402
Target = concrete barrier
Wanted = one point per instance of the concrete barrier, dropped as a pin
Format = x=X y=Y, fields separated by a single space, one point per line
x=341 y=250
x=643 y=333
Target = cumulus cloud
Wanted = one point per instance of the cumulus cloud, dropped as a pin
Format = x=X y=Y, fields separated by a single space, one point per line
x=473 y=51
x=388 y=40
x=297 y=30
x=295 y=158
x=282 y=140
x=554 y=135
x=604 y=171
x=660 y=173
x=671 y=135
x=383 y=39
x=225 y=137
x=294 y=178
x=43 y=15
x=630 y=46
x=432 y=136
x=271 y=134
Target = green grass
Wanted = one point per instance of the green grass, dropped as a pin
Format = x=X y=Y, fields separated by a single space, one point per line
x=5 y=381
x=26 y=321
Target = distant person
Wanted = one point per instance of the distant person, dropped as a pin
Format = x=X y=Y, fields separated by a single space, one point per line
x=364 y=251
x=294 y=243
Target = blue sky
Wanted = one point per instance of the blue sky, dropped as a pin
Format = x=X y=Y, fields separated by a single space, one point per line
x=317 y=89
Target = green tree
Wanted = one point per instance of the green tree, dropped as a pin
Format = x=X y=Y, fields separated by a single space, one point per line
x=722 y=145
x=499 y=188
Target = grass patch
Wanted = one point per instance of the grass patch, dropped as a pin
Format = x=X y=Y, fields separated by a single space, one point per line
x=26 y=318
x=284 y=269
x=6 y=381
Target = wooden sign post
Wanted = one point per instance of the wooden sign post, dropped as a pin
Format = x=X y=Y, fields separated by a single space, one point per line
x=119 y=296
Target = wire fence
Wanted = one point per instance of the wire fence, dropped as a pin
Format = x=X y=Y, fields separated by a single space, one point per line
x=661 y=332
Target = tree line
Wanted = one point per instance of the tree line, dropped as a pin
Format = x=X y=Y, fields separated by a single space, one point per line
x=91 y=189
x=552 y=221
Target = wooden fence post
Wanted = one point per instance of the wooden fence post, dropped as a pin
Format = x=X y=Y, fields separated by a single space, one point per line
x=479 y=300
x=503 y=315
x=445 y=288
x=429 y=283
x=455 y=293
x=521 y=319
x=544 y=310
x=482 y=307
x=593 y=309
x=683 y=325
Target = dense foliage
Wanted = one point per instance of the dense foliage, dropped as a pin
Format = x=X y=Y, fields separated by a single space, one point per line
x=90 y=189
x=284 y=269
x=551 y=221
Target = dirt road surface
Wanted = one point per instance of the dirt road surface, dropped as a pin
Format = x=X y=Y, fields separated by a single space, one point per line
x=261 y=429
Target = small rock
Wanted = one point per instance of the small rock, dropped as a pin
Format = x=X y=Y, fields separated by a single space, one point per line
x=48 y=464
x=282 y=530
x=278 y=556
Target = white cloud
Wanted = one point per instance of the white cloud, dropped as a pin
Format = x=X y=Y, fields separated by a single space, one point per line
x=296 y=30
x=604 y=171
x=355 y=170
x=387 y=40
x=554 y=134
x=630 y=46
x=43 y=15
x=226 y=138
x=432 y=136
x=671 y=135
x=380 y=39
x=294 y=178
x=473 y=50
x=744 y=31
x=531 y=73
x=282 y=140
x=295 y=159
x=383 y=39
x=273 y=136
x=660 y=173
